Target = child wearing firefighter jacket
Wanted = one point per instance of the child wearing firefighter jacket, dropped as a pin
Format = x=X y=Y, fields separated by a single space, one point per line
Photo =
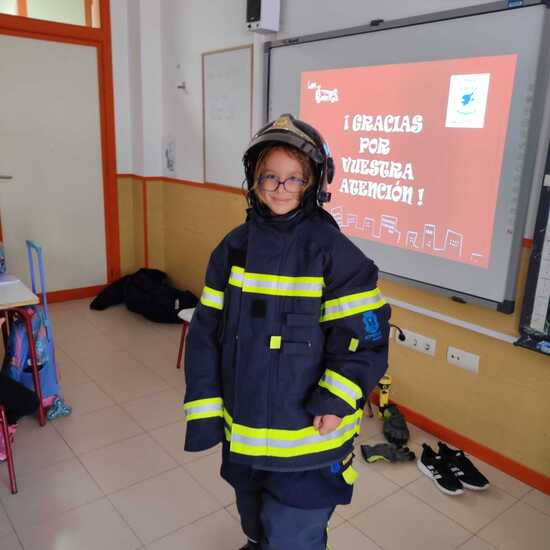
x=289 y=339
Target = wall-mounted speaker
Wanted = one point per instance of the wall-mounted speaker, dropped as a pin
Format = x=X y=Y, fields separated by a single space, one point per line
x=262 y=15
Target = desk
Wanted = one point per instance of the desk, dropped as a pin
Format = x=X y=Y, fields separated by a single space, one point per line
x=14 y=297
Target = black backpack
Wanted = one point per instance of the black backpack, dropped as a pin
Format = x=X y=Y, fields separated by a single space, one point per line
x=149 y=293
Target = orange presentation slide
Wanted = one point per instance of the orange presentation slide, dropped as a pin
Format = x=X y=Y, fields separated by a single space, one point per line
x=418 y=150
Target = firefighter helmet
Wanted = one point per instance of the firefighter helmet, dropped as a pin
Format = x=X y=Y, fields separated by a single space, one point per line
x=288 y=130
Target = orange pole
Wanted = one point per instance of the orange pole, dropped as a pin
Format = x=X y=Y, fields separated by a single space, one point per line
x=88 y=12
x=22 y=8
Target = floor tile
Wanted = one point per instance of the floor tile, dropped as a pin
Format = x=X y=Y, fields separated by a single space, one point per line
x=49 y=493
x=419 y=436
x=521 y=527
x=69 y=373
x=175 y=378
x=207 y=472
x=129 y=380
x=127 y=462
x=475 y=543
x=175 y=497
x=10 y=542
x=472 y=509
x=172 y=439
x=346 y=537
x=538 y=500
x=5 y=525
x=154 y=411
x=402 y=521
x=97 y=429
x=369 y=488
x=36 y=447
x=86 y=397
x=499 y=479
x=90 y=527
x=401 y=473
x=214 y=532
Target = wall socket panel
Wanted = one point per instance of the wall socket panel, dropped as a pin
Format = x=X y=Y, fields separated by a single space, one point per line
x=417 y=342
x=463 y=359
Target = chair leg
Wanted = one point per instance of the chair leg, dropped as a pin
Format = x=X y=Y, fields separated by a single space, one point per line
x=9 y=453
x=184 y=328
x=34 y=364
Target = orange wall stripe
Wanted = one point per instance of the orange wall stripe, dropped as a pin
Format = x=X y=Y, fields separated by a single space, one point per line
x=145 y=224
x=503 y=463
x=22 y=8
x=74 y=293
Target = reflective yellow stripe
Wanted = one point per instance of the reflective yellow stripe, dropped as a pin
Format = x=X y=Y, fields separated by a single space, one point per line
x=346 y=306
x=236 y=277
x=275 y=342
x=342 y=387
x=289 y=443
x=204 y=408
x=212 y=298
x=350 y=475
x=276 y=285
x=353 y=344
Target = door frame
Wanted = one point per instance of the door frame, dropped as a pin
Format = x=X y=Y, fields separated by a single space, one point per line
x=100 y=38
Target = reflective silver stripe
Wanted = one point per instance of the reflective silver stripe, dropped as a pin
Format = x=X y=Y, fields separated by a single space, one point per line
x=347 y=306
x=342 y=387
x=290 y=444
x=281 y=285
x=237 y=274
x=204 y=408
x=211 y=299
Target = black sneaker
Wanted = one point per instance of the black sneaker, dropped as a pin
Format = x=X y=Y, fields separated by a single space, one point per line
x=436 y=468
x=463 y=469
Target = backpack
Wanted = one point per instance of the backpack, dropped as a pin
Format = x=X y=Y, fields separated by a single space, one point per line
x=17 y=363
x=149 y=293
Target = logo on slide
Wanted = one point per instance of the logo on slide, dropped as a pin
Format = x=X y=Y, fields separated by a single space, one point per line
x=467 y=100
x=323 y=96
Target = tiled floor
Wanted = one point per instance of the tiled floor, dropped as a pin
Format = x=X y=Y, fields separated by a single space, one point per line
x=114 y=475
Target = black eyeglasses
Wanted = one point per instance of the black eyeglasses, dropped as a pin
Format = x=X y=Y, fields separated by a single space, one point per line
x=271 y=182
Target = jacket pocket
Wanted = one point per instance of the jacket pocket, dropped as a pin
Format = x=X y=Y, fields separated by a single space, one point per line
x=301 y=320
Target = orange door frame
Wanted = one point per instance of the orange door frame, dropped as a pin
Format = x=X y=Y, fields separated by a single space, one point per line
x=100 y=38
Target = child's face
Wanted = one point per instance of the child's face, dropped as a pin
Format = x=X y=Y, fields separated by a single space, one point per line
x=280 y=164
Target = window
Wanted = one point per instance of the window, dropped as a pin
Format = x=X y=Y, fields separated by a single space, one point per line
x=74 y=12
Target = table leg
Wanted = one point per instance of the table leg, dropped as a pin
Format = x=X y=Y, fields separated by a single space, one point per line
x=34 y=364
x=9 y=452
x=5 y=321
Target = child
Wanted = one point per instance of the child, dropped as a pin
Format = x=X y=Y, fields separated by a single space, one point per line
x=288 y=341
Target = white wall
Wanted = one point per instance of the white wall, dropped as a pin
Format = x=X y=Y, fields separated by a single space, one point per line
x=189 y=29
x=165 y=41
x=121 y=77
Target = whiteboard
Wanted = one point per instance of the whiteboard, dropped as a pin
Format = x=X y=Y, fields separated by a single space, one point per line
x=410 y=46
x=227 y=113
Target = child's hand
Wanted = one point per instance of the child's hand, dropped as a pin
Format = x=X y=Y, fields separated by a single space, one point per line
x=326 y=423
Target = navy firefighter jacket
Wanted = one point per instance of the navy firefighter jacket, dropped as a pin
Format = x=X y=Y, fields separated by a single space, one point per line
x=290 y=325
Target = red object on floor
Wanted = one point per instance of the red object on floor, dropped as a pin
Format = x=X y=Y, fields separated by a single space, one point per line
x=184 y=329
x=7 y=443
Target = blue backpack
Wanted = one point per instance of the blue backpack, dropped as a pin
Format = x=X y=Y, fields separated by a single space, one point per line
x=18 y=357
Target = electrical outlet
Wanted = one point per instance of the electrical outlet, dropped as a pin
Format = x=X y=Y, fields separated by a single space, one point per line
x=417 y=342
x=463 y=359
